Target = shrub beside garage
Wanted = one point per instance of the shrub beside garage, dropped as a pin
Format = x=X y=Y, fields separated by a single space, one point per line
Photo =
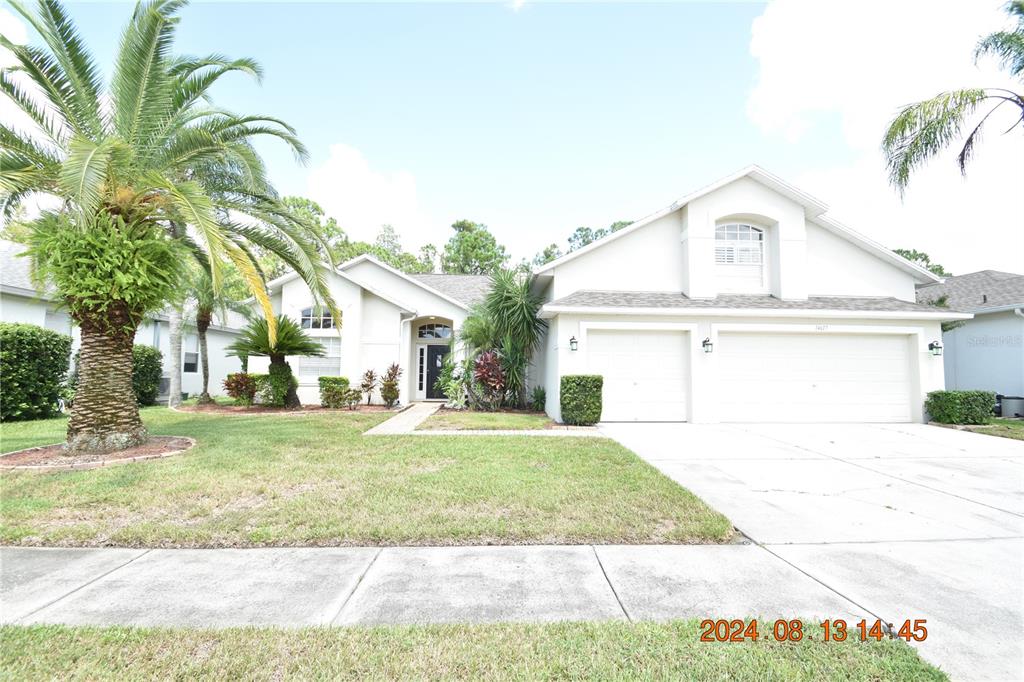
x=960 y=407
x=33 y=367
x=581 y=398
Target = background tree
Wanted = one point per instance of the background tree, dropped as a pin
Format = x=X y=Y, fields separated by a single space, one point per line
x=922 y=130
x=429 y=258
x=584 y=235
x=550 y=253
x=921 y=258
x=472 y=250
x=208 y=303
x=121 y=159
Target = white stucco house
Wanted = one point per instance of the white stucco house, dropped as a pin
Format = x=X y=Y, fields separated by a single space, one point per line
x=742 y=301
x=20 y=301
x=987 y=352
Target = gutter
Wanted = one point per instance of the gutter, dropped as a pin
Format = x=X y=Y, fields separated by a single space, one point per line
x=1019 y=312
x=548 y=312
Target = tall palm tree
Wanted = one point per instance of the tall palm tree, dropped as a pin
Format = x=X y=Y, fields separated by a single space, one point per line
x=122 y=159
x=208 y=302
x=922 y=130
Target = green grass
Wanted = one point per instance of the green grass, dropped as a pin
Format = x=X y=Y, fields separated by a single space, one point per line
x=607 y=651
x=1005 y=427
x=488 y=421
x=314 y=480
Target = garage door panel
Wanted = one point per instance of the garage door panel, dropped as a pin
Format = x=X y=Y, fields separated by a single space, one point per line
x=645 y=372
x=814 y=377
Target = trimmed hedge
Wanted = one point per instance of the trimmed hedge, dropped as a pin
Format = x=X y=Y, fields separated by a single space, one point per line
x=960 y=407
x=581 y=398
x=147 y=370
x=333 y=391
x=33 y=365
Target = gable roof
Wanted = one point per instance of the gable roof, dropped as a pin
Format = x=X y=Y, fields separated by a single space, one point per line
x=813 y=208
x=425 y=284
x=676 y=302
x=977 y=291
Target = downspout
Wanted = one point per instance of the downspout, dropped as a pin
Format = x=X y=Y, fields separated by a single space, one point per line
x=1019 y=312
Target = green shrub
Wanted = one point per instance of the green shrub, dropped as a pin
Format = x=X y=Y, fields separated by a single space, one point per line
x=538 y=399
x=581 y=398
x=333 y=391
x=241 y=386
x=272 y=388
x=352 y=397
x=33 y=364
x=389 y=385
x=147 y=370
x=960 y=407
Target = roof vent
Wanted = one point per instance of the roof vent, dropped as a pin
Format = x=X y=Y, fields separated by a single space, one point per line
x=984 y=298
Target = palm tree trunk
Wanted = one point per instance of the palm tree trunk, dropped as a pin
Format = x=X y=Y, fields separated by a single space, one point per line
x=202 y=324
x=280 y=366
x=174 y=324
x=105 y=414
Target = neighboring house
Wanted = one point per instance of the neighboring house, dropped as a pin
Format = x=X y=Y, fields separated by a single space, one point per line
x=742 y=302
x=987 y=352
x=20 y=301
x=387 y=317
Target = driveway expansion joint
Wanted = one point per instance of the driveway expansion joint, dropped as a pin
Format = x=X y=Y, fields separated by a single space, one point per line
x=355 y=587
x=615 y=592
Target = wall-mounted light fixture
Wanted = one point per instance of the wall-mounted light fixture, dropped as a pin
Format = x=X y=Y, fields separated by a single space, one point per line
x=707 y=345
x=935 y=348
x=574 y=344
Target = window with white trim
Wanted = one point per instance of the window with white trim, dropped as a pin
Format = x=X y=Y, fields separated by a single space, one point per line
x=739 y=244
x=327 y=366
x=190 y=364
x=434 y=331
x=316 y=317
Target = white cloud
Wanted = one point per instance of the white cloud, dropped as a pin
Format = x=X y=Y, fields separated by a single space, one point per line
x=362 y=199
x=862 y=61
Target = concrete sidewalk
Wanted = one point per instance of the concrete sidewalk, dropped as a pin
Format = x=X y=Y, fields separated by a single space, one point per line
x=370 y=585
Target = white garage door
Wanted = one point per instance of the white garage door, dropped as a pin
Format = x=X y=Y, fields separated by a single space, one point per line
x=646 y=373
x=814 y=377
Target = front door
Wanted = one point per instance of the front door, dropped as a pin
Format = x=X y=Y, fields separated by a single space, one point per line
x=435 y=358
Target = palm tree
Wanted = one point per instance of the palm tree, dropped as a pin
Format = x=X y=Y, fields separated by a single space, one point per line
x=123 y=160
x=922 y=130
x=208 y=303
x=255 y=340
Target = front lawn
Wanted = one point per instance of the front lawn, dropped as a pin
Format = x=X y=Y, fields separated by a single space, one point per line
x=268 y=480
x=608 y=650
x=468 y=420
x=1005 y=427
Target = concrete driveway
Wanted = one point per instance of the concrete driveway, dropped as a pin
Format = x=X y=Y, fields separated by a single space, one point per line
x=907 y=521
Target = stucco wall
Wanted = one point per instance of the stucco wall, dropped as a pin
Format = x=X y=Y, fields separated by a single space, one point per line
x=987 y=354
x=704 y=404
x=835 y=267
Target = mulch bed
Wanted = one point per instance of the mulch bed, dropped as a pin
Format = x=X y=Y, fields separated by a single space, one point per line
x=264 y=409
x=53 y=457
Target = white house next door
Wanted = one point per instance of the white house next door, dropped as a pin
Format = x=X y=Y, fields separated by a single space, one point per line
x=646 y=373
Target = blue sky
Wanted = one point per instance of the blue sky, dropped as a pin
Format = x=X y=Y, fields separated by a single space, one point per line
x=539 y=119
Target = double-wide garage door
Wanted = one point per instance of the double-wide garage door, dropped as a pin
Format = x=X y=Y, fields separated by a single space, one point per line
x=814 y=377
x=757 y=377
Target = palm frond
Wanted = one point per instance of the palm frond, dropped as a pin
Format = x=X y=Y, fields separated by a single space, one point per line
x=49 y=78
x=84 y=172
x=1007 y=47
x=922 y=130
x=49 y=122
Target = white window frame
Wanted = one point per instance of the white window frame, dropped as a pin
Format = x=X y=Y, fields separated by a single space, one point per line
x=309 y=368
x=434 y=327
x=734 y=242
x=316 y=317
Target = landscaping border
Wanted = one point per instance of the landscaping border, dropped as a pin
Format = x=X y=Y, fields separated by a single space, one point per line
x=43 y=468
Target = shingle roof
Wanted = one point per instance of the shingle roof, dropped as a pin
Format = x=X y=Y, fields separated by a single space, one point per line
x=977 y=291
x=14 y=270
x=677 y=299
x=469 y=289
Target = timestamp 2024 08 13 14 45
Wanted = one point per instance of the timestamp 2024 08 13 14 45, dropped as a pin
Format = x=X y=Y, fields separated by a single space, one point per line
x=833 y=630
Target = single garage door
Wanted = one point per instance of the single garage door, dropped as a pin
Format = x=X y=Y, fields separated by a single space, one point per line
x=814 y=377
x=646 y=373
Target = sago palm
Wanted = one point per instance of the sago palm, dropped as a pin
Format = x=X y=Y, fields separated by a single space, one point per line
x=922 y=130
x=256 y=340
x=146 y=157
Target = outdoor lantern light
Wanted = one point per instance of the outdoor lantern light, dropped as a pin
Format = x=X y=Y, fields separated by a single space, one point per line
x=573 y=343
x=935 y=347
x=707 y=345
